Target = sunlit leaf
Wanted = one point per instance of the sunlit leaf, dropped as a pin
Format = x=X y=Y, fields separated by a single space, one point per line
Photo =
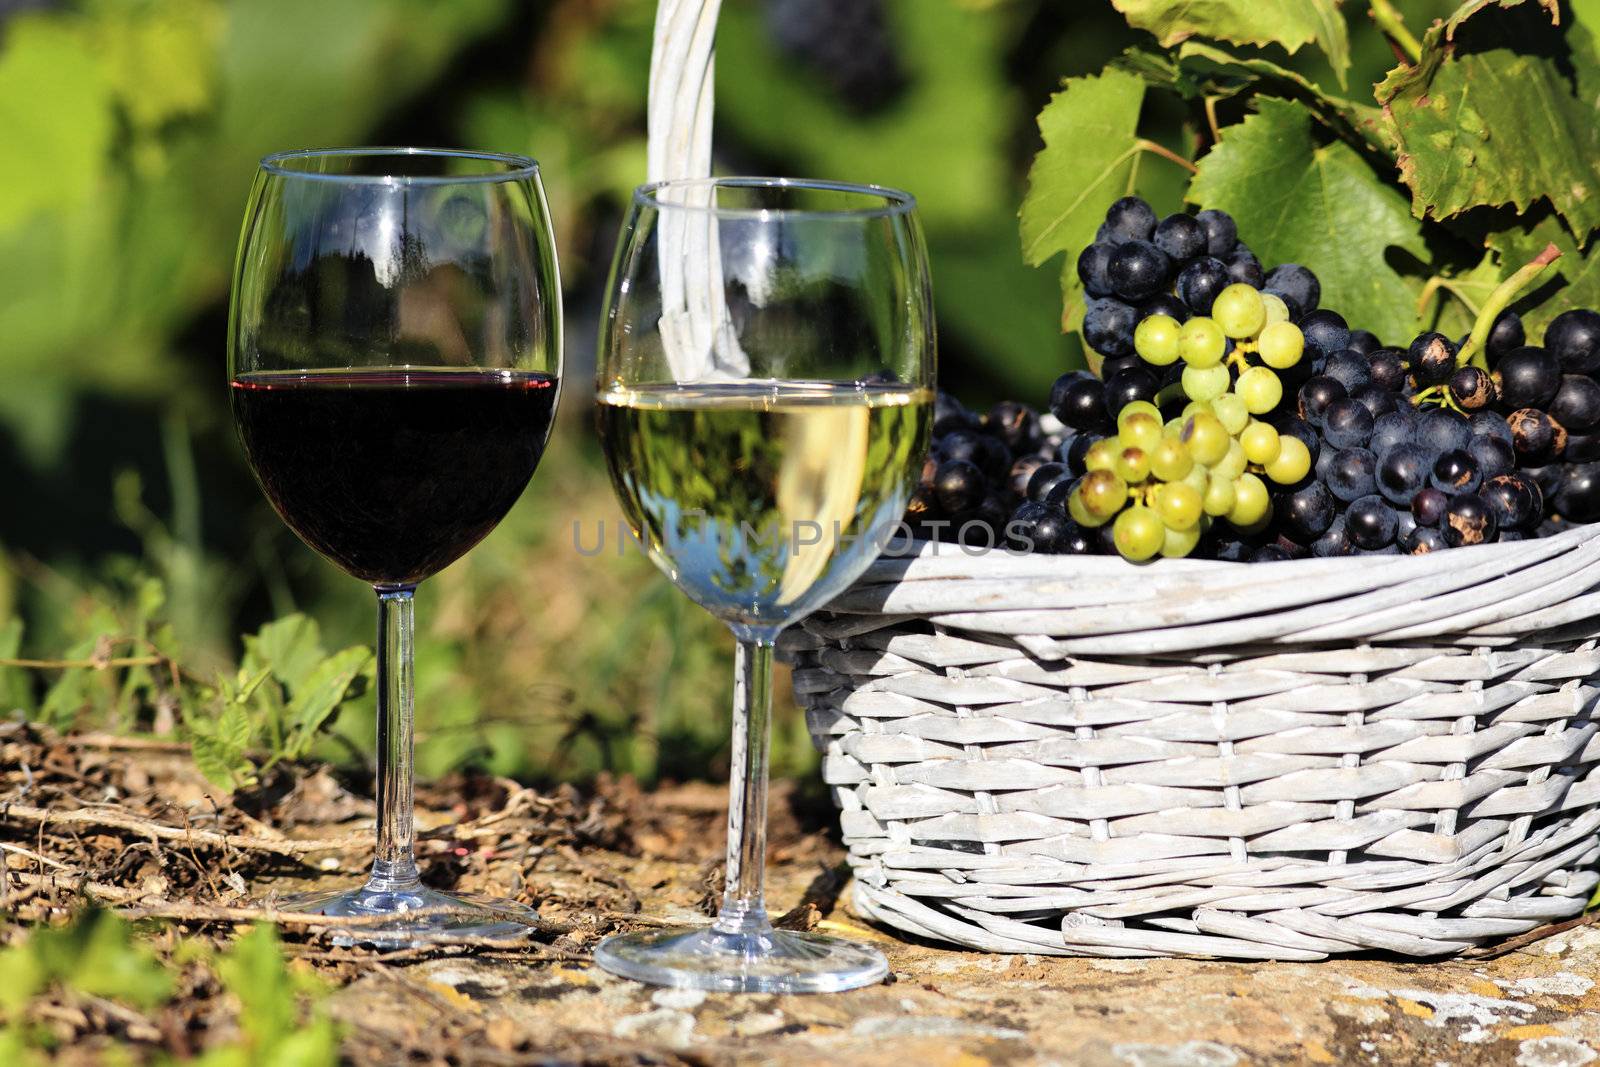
x=1289 y=23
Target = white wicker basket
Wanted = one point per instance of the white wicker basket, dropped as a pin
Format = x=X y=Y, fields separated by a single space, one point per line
x=1075 y=755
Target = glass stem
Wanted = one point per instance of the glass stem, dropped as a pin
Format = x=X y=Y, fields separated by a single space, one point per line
x=394 y=867
x=744 y=908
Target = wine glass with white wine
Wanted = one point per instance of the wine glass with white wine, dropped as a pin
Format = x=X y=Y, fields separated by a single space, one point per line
x=765 y=388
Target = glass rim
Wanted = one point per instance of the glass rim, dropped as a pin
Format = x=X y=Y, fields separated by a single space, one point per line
x=895 y=202
x=518 y=167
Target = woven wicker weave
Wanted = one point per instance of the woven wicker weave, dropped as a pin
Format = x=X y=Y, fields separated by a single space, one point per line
x=1075 y=755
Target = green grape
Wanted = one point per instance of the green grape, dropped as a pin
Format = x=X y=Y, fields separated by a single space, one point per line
x=1281 y=344
x=1231 y=412
x=1251 y=502
x=1176 y=544
x=1201 y=342
x=1133 y=465
x=1277 y=310
x=1103 y=493
x=1080 y=513
x=1292 y=463
x=1260 y=443
x=1205 y=383
x=1138 y=533
x=1179 y=505
x=1260 y=390
x=1136 y=407
x=1196 y=479
x=1156 y=340
x=1172 y=428
x=1140 y=431
x=1232 y=465
x=1219 y=497
x=1102 y=455
x=1207 y=440
x=1239 y=311
x=1170 y=460
x=1194 y=407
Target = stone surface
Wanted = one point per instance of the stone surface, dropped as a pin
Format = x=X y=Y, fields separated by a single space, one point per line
x=1536 y=1007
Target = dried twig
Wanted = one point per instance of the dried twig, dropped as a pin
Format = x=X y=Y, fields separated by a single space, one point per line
x=125 y=821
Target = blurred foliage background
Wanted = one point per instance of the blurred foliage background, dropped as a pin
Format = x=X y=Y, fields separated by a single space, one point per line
x=128 y=521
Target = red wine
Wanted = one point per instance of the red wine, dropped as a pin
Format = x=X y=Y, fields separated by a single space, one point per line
x=393 y=473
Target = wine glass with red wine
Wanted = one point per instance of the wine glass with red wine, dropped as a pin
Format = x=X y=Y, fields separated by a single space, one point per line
x=394 y=358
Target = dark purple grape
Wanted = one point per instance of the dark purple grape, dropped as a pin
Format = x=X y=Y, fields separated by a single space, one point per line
x=1139 y=270
x=1494 y=455
x=1352 y=474
x=1124 y=387
x=1326 y=330
x=1244 y=267
x=1222 y=233
x=1316 y=395
x=1131 y=219
x=1117 y=364
x=1440 y=430
x=1371 y=522
x=1528 y=377
x=1388 y=368
x=1404 y=523
x=1364 y=342
x=1456 y=471
x=1298 y=286
x=1576 y=405
x=1468 y=520
x=1473 y=388
x=1488 y=424
x=1020 y=526
x=1108 y=326
x=1582 y=448
x=1402 y=471
x=1536 y=436
x=1376 y=399
x=1422 y=540
x=1094 y=268
x=1074 y=453
x=1427 y=507
x=1045 y=477
x=1516 y=500
x=1574 y=337
x=1021 y=473
x=1307 y=511
x=1294 y=426
x=1273 y=553
x=1015 y=424
x=1349 y=369
x=1164 y=304
x=1549 y=478
x=959 y=485
x=1081 y=404
x=1347 y=424
x=1578 y=497
x=1201 y=281
x=1182 y=237
x=989 y=454
x=949 y=415
x=1397 y=427
x=1432 y=359
x=1074 y=540
x=1335 y=541
x=1505 y=335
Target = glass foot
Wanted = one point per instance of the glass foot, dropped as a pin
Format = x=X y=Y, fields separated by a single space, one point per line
x=451 y=915
x=763 y=961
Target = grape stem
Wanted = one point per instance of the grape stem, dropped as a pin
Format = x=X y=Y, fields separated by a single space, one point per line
x=1506 y=292
x=1393 y=25
x=1165 y=153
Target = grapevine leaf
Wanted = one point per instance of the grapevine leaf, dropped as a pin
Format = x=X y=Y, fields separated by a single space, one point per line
x=1090 y=151
x=234 y=731
x=1577 y=273
x=291 y=646
x=16 y=692
x=1472 y=7
x=1289 y=23
x=1298 y=201
x=320 y=693
x=211 y=757
x=1493 y=119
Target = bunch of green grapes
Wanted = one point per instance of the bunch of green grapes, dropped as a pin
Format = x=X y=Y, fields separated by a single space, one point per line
x=1162 y=483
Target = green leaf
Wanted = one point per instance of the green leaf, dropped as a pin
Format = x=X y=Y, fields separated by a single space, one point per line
x=1472 y=7
x=214 y=761
x=234 y=731
x=291 y=646
x=16 y=688
x=1493 y=118
x=1577 y=272
x=1298 y=201
x=160 y=58
x=21 y=976
x=1091 y=149
x=97 y=954
x=320 y=694
x=1289 y=23
x=55 y=111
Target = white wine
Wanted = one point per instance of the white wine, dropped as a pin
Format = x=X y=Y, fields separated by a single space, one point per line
x=763 y=500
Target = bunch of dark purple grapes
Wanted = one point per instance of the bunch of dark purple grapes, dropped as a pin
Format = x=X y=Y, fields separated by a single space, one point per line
x=1422 y=452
